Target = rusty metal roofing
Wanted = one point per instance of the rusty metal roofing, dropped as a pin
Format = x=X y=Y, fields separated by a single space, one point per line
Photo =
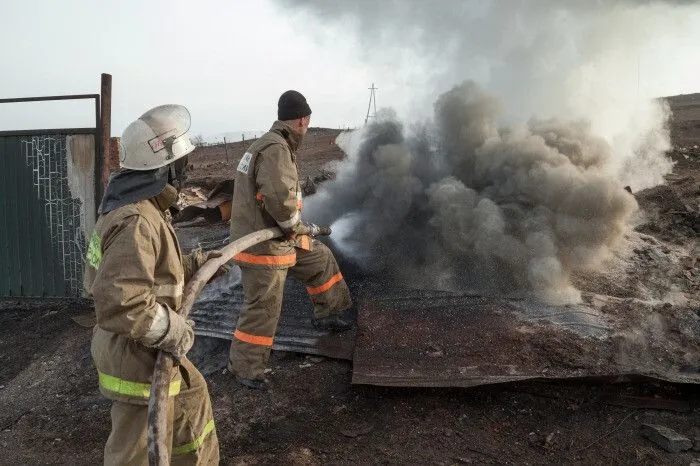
x=429 y=338
x=433 y=339
x=217 y=309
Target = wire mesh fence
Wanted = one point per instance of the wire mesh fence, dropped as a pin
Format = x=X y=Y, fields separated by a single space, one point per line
x=47 y=156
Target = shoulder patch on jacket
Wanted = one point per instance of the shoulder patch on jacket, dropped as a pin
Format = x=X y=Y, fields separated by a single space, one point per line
x=244 y=164
x=94 y=252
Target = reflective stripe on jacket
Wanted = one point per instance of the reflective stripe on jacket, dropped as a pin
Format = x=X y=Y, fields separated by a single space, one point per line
x=121 y=387
x=134 y=264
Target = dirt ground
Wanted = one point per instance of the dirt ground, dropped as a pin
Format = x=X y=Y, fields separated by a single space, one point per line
x=51 y=412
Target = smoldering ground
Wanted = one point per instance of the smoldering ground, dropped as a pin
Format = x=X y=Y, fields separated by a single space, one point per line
x=461 y=203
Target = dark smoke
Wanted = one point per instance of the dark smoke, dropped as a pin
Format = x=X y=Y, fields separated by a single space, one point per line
x=463 y=204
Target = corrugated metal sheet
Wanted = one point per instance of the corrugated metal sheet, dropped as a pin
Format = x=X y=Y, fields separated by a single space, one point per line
x=433 y=339
x=216 y=310
x=427 y=338
x=47 y=206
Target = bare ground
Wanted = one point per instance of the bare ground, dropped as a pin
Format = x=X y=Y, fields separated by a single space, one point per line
x=52 y=414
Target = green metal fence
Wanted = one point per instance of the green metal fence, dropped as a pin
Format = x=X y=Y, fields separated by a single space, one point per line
x=49 y=187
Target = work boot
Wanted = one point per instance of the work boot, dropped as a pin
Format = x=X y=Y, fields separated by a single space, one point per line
x=253 y=384
x=334 y=323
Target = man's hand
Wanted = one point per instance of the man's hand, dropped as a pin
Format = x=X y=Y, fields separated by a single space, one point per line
x=315 y=230
x=224 y=269
x=200 y=257
x=179 y=337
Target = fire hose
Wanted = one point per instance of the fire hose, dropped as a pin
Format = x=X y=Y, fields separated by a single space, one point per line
x=158 y=401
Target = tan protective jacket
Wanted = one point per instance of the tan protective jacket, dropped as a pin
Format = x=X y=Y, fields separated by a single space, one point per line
x=267 y=194
x=134 y=264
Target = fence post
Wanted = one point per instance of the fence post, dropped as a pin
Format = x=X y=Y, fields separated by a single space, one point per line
x=105 y=127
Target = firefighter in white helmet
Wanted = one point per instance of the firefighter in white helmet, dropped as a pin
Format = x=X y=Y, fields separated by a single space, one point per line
x=136 y=273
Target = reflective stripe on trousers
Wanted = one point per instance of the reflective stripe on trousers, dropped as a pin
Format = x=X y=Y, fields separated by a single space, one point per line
x=129 y=388
x=196 y=443
x=326 y=286
x=253 y=339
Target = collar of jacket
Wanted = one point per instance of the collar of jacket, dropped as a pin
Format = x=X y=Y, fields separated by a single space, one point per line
x=129 y=186
x=167 y=197
x=292 y=137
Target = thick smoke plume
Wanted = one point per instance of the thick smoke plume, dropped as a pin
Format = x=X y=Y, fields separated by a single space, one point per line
x=463 y=204
x=515 y=193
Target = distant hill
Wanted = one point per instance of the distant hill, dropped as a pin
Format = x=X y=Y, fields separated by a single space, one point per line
x=213 y=163
x=685 y=123
x=232 y=136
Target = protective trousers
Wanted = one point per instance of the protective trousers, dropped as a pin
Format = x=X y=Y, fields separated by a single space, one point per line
x=263 y=289
x=191 y=427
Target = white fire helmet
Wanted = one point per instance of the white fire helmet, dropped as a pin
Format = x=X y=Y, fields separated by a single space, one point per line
x=158 y=138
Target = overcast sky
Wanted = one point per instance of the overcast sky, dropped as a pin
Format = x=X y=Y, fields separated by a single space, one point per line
x=227 y=61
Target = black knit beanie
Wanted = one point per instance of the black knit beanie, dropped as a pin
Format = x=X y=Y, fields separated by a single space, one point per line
x=292 y=105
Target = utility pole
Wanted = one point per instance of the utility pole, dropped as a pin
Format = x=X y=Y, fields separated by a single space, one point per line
x=372 y=99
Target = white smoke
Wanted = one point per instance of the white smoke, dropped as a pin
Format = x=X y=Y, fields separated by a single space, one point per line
x=600 y=61
x=514 y=192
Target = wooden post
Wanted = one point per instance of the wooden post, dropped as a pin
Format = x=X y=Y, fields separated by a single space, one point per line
x=106 y=126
